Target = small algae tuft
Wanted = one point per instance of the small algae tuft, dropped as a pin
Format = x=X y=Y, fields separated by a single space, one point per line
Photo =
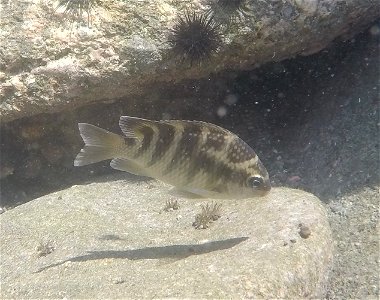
x=45 y=248
x=171 y=204
x=208 y=214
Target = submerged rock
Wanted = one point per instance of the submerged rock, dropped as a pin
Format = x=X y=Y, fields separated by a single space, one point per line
x=112 y=239
x=50 y=61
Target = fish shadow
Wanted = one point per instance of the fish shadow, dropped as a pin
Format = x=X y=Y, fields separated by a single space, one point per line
x=174 y=252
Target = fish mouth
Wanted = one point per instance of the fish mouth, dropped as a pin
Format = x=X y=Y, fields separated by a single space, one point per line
x=264 y=193
x=265 y=189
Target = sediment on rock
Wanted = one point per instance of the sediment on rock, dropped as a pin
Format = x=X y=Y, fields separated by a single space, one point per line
x=114 y=239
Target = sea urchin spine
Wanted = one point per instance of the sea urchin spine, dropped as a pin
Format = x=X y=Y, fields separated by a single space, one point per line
x=231 y=5
x=226 y=11
x=195 y=37
x=76 y=8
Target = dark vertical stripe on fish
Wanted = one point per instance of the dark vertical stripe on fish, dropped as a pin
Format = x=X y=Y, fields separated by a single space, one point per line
x=187 y=146
x=130 y=142
x=165 y=139
x=206 y=164
x=147 y=133
x=217 y=170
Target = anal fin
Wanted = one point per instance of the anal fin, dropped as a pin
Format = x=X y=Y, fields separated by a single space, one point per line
x=130 y=166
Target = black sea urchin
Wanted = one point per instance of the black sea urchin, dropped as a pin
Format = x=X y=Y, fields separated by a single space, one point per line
x=76 y=8
x=195 y=37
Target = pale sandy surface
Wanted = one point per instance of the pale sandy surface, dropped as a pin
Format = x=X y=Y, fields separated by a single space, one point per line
x=354 y=220
x=111 y=239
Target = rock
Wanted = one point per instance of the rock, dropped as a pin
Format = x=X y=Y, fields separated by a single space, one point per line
x=112 y=239
x=119 y=49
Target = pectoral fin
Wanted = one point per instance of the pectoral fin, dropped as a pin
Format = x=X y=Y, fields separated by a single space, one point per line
x=201 y=192
x=179 y=192
x=204 y=193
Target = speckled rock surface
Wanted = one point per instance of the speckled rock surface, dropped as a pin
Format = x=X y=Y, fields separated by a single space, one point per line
x=112 y=239
x=49 y=62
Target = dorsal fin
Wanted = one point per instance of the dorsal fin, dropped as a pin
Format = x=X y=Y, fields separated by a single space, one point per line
x=201 y=124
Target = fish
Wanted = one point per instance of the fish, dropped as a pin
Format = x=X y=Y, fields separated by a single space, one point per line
x=193 y=156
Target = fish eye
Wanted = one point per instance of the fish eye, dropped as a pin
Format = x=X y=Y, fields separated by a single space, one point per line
x=255 y=181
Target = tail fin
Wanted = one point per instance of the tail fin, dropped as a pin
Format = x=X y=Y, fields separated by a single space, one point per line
x=100 y=145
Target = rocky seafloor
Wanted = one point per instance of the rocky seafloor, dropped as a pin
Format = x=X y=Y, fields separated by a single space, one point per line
x=115 y=239
x=313 y=121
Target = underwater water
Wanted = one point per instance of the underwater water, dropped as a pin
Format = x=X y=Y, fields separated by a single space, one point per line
x=272 y=108
x=312 y=120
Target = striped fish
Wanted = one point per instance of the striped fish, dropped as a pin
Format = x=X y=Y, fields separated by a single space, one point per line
x=197 y=157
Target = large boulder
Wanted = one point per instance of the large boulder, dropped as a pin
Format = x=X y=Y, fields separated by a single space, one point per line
x=113 y=239
x=50 y=61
